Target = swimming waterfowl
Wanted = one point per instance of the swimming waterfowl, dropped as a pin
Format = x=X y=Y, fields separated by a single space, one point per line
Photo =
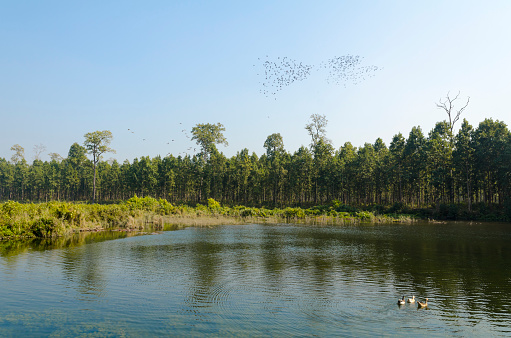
x=401 y=301
x=422 y=304
x=411 y=300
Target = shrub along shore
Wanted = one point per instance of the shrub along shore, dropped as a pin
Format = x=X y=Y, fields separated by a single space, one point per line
x=54 y=219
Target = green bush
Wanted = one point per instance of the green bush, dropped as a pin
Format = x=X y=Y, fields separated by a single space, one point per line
x=143 y=203
x=43 y=227
x=212 y=204
x=294 y=212
x=365 y=215
x=166 y=208
x=247 y=212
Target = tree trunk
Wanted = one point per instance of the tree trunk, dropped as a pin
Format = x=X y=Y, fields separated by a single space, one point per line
x=94 y=182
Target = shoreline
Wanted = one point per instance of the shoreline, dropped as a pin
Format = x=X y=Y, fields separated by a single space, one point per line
x=55 y=219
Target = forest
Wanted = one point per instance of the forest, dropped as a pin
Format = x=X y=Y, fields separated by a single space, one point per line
x=463 y=175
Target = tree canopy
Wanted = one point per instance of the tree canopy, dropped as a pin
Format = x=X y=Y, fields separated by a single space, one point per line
x=207 y=135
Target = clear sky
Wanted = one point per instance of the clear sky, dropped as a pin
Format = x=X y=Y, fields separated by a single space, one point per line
x=158 y=67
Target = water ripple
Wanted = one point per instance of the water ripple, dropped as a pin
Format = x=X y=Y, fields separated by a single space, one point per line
x=257 y=280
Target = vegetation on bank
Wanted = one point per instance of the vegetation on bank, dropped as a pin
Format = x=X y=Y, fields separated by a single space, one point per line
x=53 y=219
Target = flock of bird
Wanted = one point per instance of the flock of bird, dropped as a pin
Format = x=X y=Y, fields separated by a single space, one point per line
x=347 y=68
x=284 y=71
x=412 y=300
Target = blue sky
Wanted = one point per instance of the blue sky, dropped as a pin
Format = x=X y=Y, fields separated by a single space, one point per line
x=158 y=67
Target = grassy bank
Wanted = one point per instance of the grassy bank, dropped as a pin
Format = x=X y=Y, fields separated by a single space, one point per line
x=59 y=218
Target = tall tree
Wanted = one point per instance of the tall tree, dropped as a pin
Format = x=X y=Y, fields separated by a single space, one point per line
x=207 y=135
x=381 y=170
x=414 y=161
x=274 y=145
x=275 y=151
x=301 y=169
x=439 y=162
x=36 y=180
x=97 y=143
x=6 y=179
x=21 y=171
x=347 y=171
x=490 y=139
x=463 y=158
x=396 y=149
x=317 y=129
x=77 y=155
x=19 y=153
x=321 y=168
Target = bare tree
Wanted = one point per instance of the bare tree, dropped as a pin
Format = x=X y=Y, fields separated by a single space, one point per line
x=454 y=115
x=38 y=150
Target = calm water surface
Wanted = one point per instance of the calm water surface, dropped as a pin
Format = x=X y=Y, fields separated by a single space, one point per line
x=262 y=280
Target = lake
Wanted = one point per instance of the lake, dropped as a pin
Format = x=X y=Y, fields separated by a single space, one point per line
x=261 y=280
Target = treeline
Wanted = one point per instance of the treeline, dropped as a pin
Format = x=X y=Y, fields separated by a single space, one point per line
x=470 y=169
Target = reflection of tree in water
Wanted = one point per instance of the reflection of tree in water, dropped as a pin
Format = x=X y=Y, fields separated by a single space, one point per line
x=467 y=271
x=205 y=264
x=82 y=264
x=11 y=249
x=84 y=267
x=17 y=246
x=273 y=259
x=296 y=262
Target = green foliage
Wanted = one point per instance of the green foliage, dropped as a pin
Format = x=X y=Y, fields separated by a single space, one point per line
x=43 y=227
x=340 y=207
x=207 y=135
x=212 y=204
x=365 y=215
x=97 y=143
x=294 y=213
x=19 y=153
x=160 y=206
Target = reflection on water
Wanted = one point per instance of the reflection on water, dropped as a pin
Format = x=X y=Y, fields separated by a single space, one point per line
x=264 y=280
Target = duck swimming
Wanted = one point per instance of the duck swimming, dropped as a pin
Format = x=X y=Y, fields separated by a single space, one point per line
x=401 y=301
x=422 y=304
x=411 y=300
